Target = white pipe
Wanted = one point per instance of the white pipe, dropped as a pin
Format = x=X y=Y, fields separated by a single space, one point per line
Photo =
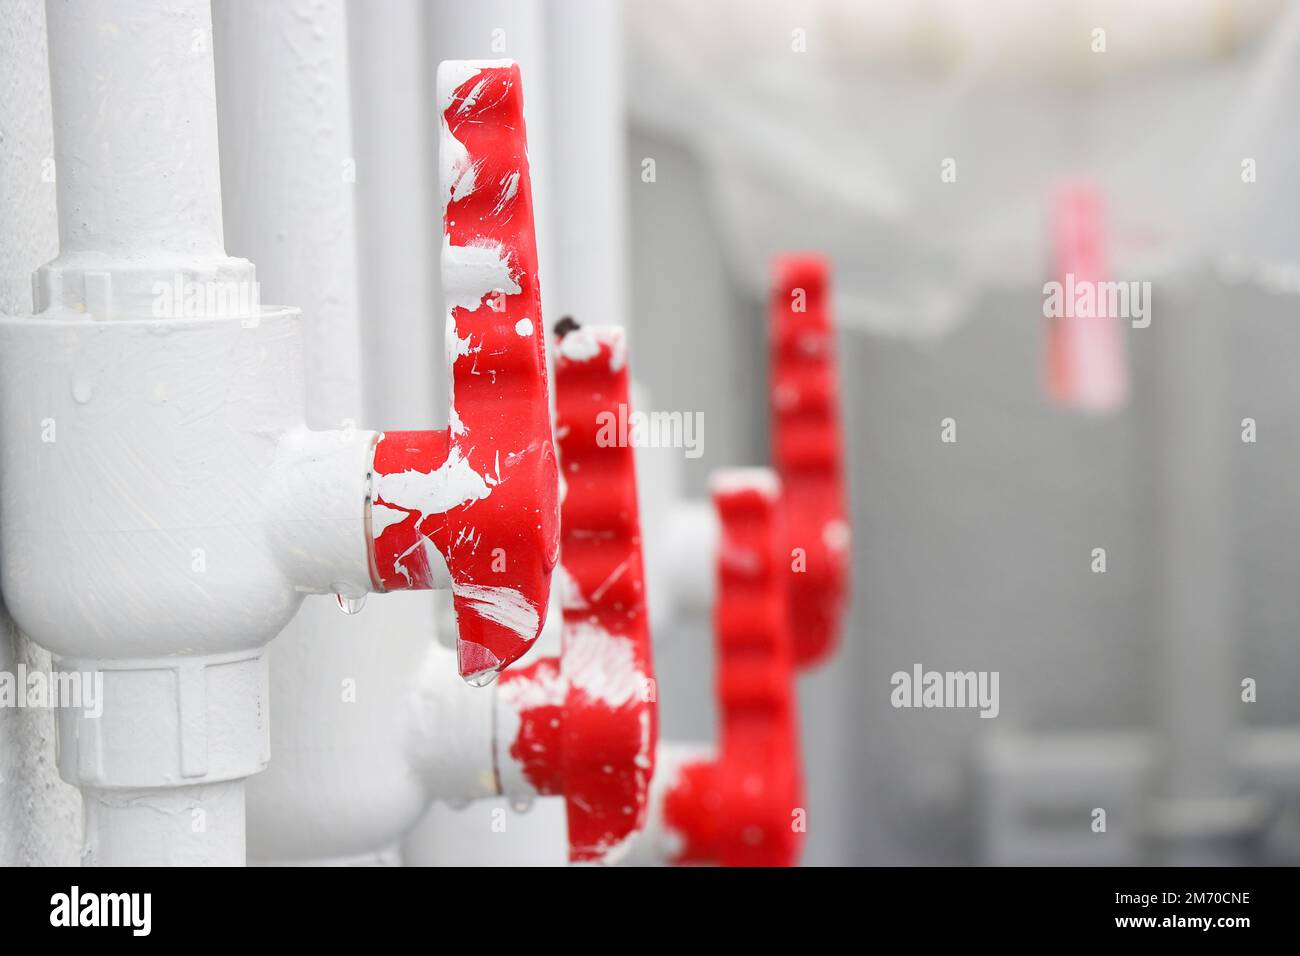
x=40 y=815
x=135 y=141
x=691 y=540
x=289 y=176
x=184 y=506
x=342 y=714
x=398 y=228
x=158 y=190
x=588 y=161
x=346 y=704
x=179 y=826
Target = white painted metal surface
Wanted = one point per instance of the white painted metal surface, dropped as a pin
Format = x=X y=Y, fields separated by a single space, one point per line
x=395 y=143
x=151 y=364
x=40 y=815
x=588 y=162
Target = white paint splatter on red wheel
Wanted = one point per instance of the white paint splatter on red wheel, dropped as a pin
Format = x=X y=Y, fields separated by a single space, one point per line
x=476 y=507
x=585 y=725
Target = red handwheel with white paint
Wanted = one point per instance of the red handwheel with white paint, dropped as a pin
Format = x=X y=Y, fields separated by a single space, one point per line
x=743 y=807
x=474 y=508
x=584 y=726
x=808 y=453
x=1086 y=367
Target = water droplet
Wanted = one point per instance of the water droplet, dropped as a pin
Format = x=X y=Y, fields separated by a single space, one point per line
x=521 y=804
x=82 y=391
x=351 y=605
x=482 y=678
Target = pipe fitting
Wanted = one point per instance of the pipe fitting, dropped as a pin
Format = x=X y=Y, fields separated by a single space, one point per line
x=144 y=476
x=319 y=494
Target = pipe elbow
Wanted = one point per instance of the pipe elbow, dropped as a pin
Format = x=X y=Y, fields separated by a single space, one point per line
x=318 y=509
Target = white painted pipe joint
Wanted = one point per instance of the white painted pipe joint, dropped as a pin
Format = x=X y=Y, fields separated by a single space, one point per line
x=164 y=510
x=164 y=507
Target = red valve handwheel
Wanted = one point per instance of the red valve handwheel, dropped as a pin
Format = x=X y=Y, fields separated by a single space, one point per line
x=746 y=807
x=588 y=722
x=808 y=453
x=1086 y=368
x=476 y=507
x=1076 y=248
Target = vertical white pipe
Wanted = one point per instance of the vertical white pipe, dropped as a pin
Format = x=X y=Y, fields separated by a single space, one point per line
x=136 y=74
x=40 y=815
x=398 y=223
x=135 y=142
x=139 y=200
x=178 y=826
x=288 y=172
x=588 y=153
x=345 y=695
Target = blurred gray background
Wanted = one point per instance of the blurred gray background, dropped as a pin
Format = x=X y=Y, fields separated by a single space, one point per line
x=977 y=555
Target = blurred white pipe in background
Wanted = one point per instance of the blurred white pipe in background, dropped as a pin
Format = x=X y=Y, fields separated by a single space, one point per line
x=287 y=171
x=588 y=160
x=399 y=230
